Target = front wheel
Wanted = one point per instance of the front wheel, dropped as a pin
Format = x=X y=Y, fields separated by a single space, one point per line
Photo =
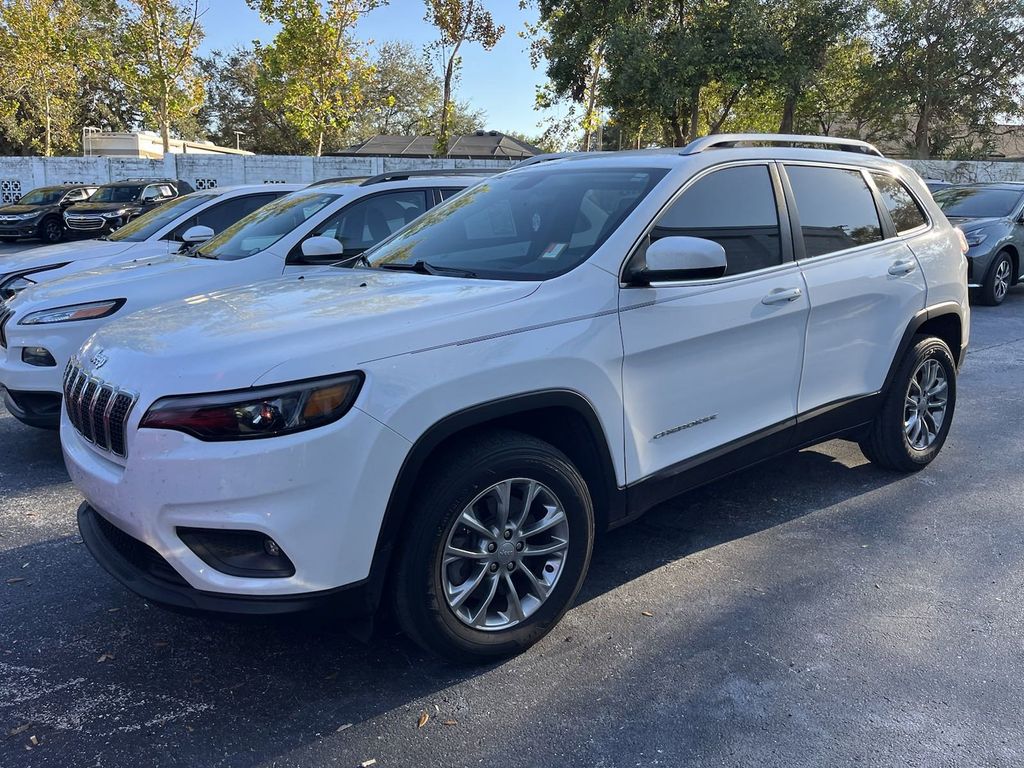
x=51 y=230
x=498 y=545
x=998 y=281
x=912 y=425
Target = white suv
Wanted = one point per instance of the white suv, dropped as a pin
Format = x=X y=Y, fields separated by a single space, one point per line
x=158 y=232
x=553 y=352
x=44 y=324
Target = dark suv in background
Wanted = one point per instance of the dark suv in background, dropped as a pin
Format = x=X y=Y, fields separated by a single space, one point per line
x=119 y=202
x=39 y=213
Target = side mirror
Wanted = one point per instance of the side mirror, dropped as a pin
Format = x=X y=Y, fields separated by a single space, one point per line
x=320 y=248
x=679 y=258
x=197 y=234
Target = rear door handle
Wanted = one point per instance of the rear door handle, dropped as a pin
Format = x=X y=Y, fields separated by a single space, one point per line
x=901 y=268
x=782 y=296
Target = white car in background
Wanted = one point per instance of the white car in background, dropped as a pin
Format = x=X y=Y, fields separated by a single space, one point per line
x=43 y=325
x=163 y=230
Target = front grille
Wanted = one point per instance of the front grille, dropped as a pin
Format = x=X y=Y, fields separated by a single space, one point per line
x=140 y=555
x=5 y=315
x=97 y=410
x=85 y=222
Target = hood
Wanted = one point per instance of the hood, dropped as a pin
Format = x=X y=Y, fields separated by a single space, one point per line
x=14 y=209
x=62 y=253
x=975 y=223
x=138 y=279
x=100 y=207
x=339 y=318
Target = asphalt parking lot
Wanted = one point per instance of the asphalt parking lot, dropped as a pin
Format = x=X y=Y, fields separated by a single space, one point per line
x=811 y=611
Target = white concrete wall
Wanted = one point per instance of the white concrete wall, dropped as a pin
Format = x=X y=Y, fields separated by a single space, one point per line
x=968 y=171
x=20 y=174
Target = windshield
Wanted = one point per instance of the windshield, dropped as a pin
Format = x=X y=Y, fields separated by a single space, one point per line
x=147 y=225
x=115 y=194
x=43 y=197
x=977 y=202
x=265 y=226
x=521 y=226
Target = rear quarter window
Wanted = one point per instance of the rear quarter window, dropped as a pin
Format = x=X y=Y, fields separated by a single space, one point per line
x=903 y=208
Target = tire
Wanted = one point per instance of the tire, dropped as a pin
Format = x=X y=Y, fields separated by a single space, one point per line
x=471 y=477
x=998 y=280
x=51 y=230
x=893 y=441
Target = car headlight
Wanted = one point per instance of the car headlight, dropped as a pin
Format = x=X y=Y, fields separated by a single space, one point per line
x=977 y=237
x=14 y=283
x=93 y=310
x=257 y=413
x=29 y=216
x=113 y=214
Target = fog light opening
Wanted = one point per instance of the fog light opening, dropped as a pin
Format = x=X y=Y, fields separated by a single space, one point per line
x=39 y=356
x=272 y=549
x=249 y=554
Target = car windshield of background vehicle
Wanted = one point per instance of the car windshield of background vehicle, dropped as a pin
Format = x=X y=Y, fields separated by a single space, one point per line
x=265 y=226
x=977 y=202
x=147 y=225
x=116 y=194
x=532 y=225
x=43 y=197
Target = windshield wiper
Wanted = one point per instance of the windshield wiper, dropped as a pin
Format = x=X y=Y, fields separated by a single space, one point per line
x=425 y=268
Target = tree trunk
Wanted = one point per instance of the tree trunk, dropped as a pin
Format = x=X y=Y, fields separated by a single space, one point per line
x=165 y=125
x=588 y=118
x=320 y=144
x=678 y=139
x=47 y=141
x=922 y=133
x=441 y=146
x=788 y=123
x=694 y=113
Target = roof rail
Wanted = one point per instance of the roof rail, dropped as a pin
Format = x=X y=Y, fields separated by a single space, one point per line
x=545 y=158
x=340 y=180
x=727 y=140
x=405 y=175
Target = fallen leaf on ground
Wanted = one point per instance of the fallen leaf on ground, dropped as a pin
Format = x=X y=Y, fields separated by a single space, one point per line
x=424 y=717
x=367 y=763
x=19 y=729
x=15 y=581
x=161 y=644
x=105 y=657
x=344 y=727
x=646 y=613
x=450 y=722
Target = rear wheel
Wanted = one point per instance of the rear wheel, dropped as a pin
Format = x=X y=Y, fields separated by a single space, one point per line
x=51 y=230
x=917 y=411
x=998 y=281
x=498 y=545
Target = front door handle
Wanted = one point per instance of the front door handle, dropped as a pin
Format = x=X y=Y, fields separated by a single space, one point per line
x=901 y=268
x=782 y=296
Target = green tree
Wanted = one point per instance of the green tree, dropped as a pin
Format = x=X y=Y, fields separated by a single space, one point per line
x=158 y=46
x=946 y=70
x=458 y=23
x=236 y=110
x=314 y=71
x=403 y=95
x=41 y=43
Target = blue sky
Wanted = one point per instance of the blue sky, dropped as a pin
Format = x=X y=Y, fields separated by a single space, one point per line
x=500 y=82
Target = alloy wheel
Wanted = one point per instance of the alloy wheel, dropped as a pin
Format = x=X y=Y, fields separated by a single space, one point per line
x=504 y=554
x=925 y=406
x=1001 y=281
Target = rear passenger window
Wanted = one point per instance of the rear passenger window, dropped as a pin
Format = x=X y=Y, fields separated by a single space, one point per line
x=836 y=208
x=734 y=207
x=906 y=214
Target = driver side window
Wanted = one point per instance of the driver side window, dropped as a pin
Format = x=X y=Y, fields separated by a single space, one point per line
x=734 y=207
x=366 y=222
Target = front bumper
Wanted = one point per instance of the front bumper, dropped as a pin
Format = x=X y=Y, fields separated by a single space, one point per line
x=320 y=495
x=61 y=340
x=36 y=409
x=142 y=570
x=26 y=229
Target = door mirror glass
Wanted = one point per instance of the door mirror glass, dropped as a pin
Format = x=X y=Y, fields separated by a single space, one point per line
x=321 y=248
x=197 y=234
x=670 y=259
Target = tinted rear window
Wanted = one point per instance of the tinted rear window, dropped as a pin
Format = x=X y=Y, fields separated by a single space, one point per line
x=906 y=214
x=836 y=208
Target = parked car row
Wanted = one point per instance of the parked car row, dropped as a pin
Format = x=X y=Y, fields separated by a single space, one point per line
x=48 y=213
x=429 y=392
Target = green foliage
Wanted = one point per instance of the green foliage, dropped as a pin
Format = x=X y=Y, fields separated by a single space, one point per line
x=314 y=71
x=157 y=63
x=458 y=22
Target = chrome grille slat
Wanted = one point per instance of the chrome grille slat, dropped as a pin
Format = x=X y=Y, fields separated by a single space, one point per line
x=98 y=411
